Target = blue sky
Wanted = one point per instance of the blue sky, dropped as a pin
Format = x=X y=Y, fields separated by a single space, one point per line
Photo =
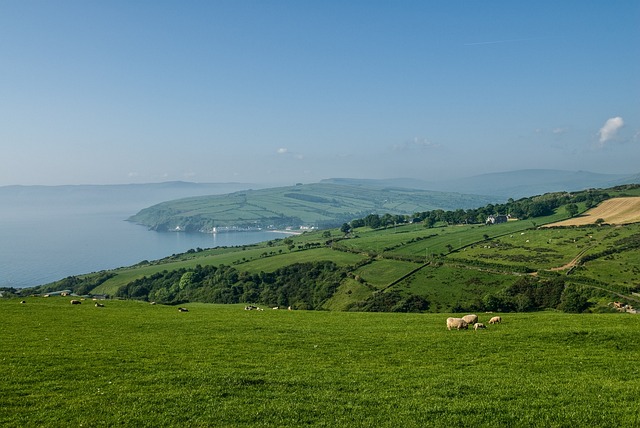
x=279 y=92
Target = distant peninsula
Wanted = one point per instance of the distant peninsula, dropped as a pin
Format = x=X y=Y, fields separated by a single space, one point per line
x=310 y=206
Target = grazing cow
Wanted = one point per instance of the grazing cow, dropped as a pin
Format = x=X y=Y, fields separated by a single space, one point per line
x=99 y=305
x=495 y=320
x=457 y=323
x=183 y=310
x=479 y=325
x=152 y=303
x=76 y=302
x=24 y=301
x=470 y=319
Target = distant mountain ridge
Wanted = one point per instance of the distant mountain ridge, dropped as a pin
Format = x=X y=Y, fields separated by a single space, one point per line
x=510 y=184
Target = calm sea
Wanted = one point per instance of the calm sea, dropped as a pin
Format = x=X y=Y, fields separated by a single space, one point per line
x=45 y=245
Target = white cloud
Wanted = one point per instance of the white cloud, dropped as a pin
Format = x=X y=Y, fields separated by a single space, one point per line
x=284 y=151
x=610 y=129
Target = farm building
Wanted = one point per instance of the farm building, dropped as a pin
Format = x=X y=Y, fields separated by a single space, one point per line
x=495 y=219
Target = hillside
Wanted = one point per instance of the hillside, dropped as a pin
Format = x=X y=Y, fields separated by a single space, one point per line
x=429 y=267
x=612 y=211
x=319 y=205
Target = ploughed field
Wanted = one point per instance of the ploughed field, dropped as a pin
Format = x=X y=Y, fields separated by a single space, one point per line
x=130 y=363
x=612 y=211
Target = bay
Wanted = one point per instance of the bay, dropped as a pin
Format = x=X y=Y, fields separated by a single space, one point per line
x=45 y=245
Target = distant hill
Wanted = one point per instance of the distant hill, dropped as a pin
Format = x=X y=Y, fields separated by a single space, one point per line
x=320 y=205
x=511 y=184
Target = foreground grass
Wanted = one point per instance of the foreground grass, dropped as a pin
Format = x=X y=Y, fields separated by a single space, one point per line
x=134 y=364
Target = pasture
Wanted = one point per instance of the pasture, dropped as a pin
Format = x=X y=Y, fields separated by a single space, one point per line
x=134 y=364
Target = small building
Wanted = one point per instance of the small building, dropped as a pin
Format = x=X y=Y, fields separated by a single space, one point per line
x=496 y=219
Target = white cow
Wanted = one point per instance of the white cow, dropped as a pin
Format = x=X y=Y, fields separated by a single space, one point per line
x=457 y=323
x=470 y=319
x=479 y=325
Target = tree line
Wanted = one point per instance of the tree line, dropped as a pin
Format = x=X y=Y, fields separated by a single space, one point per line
x=525 y=208
x=300 y=285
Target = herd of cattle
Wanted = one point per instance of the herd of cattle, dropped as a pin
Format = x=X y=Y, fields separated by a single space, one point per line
x=467 y=320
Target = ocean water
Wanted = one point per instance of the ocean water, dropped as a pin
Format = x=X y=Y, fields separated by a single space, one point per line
x=38 y=246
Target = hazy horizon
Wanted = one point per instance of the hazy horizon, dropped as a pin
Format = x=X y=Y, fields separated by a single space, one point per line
x=280 y=92
x=274 y=184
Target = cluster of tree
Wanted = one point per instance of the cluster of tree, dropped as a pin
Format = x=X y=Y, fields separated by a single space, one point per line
x=534 y=294
x=81 y=285
x=197 y=223
x=376 y=221
x=301 y=285
x=9 y=292
x=391 y=302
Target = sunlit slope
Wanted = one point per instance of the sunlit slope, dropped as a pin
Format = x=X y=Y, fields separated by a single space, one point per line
x=612 y=211
x=319 y=204
x=415 y=261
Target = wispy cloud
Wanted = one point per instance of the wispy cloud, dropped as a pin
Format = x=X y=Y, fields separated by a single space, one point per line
x=610 y=129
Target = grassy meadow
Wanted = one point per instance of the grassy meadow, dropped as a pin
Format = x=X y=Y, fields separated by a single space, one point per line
x=135 y=364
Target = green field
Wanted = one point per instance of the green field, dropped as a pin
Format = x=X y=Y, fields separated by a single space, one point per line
x=134 y=364
x=512 y=266
x=463 y=276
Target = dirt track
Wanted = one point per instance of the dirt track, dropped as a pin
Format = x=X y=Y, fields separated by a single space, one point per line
x=612 y=211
